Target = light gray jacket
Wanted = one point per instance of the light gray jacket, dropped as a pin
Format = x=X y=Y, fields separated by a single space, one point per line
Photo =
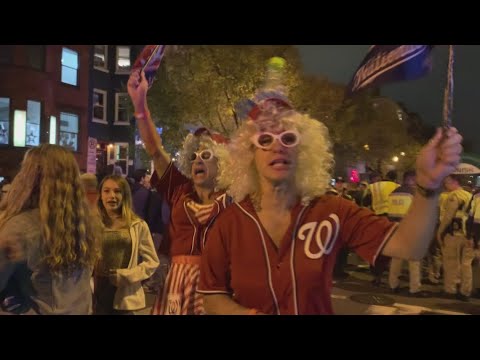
x=130 y=294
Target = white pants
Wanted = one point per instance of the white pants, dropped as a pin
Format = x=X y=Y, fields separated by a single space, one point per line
x=457 y=264
x=414 y=274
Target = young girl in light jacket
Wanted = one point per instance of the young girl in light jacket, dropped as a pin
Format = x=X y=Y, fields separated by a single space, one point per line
x=128 y=253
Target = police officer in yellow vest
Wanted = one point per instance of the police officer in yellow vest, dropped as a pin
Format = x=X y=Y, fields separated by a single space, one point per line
x=380 y=190
x=434 y=256
x=457 y=250
x=473 y=230
x=399 y=202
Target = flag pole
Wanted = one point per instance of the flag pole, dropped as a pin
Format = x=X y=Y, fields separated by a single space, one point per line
x=448 y=94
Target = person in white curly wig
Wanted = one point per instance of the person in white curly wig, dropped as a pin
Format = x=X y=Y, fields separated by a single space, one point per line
x=193 y=198
x=273 y=251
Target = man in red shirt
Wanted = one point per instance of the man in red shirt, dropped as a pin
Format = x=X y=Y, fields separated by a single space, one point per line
x=274 y=250
x=192 y=197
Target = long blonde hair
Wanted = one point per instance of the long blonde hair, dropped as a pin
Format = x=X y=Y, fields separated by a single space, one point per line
x=126 y=211
x=314 y=164
x=49 y=180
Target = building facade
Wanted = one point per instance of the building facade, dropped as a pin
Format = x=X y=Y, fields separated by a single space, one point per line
x=44 y=98
x=111 y=124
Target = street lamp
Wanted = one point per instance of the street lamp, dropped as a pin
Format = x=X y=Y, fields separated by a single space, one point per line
x=395 y=159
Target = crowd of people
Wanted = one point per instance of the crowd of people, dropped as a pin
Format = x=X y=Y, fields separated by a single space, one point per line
x=247 y=225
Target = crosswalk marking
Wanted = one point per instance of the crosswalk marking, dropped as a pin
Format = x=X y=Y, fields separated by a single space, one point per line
x=400 y=309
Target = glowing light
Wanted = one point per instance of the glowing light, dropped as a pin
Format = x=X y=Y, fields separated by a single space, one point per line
x=354 y=176
x=395 y=159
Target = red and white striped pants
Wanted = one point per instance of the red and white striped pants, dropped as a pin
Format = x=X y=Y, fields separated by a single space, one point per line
x=179 y=295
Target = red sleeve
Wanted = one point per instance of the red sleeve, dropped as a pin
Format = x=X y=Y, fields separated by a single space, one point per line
x=171 y=179
x=364 y=232
x=214 y=268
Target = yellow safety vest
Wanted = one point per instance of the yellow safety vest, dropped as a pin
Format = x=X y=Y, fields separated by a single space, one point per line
x=475 y=209
x=398 y=204
x=441 y=202
x=380 y=192
x=461 y=215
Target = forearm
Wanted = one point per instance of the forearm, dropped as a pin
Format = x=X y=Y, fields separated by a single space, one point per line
x=223 y=304
x=414 y=233
x=152 y=140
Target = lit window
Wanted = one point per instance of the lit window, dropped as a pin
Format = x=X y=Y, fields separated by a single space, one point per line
x=123 y=59
x=69 y=131
x=19 y=127
x=100 y=57
x=4 y=119
x=69 y=66
x=34 y=109
x=121 y=109
x=53 y=130
x=99 y=106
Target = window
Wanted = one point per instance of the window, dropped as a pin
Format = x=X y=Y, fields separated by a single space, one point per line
x=69 y=131
x=123 y=60
x=19 y=127
x=100 y=57
x=34 y=110
x=6 y=54
x=121 y=109
x=99 y=106
x=69 y=66
x=36 y=56
x=4 y=119
x=53 y=130
x=118 y=154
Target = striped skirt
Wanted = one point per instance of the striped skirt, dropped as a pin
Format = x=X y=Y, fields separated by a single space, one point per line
x=179 y=296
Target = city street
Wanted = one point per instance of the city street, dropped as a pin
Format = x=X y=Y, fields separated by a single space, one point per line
x=356 y=295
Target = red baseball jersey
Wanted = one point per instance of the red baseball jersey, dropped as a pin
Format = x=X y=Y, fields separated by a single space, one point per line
x=188 y=222
x=241 y=260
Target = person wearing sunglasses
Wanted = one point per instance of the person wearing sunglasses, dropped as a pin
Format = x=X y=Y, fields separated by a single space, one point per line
x=193 y=197
x=273 y=251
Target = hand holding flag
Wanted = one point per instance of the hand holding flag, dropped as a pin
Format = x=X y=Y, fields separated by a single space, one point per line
x=149 y=61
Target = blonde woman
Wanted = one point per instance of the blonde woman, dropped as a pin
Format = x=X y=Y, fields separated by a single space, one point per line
x=126 y=239
x=274 y=250
x=46 y=219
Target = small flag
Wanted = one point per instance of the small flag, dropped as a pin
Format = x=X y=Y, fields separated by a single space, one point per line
x=389 y=63
x=149 y=60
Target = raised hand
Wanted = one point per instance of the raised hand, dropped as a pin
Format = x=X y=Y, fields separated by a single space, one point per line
x=137 y=89
x=439 y=158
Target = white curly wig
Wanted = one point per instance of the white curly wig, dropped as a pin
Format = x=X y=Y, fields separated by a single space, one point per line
x=239 y=175
x=194 y=142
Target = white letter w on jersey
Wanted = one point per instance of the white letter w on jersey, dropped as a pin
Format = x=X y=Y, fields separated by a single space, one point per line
x=325 y=245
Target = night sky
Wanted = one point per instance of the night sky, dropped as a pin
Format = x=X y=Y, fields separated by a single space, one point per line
x=425 y=95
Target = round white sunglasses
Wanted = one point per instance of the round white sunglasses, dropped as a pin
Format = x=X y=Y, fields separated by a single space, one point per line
x=205 y=155
x=265 y=140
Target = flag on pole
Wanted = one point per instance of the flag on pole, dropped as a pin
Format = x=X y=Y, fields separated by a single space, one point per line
x=448 y=94
x=389 y=63
x=149 y=60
